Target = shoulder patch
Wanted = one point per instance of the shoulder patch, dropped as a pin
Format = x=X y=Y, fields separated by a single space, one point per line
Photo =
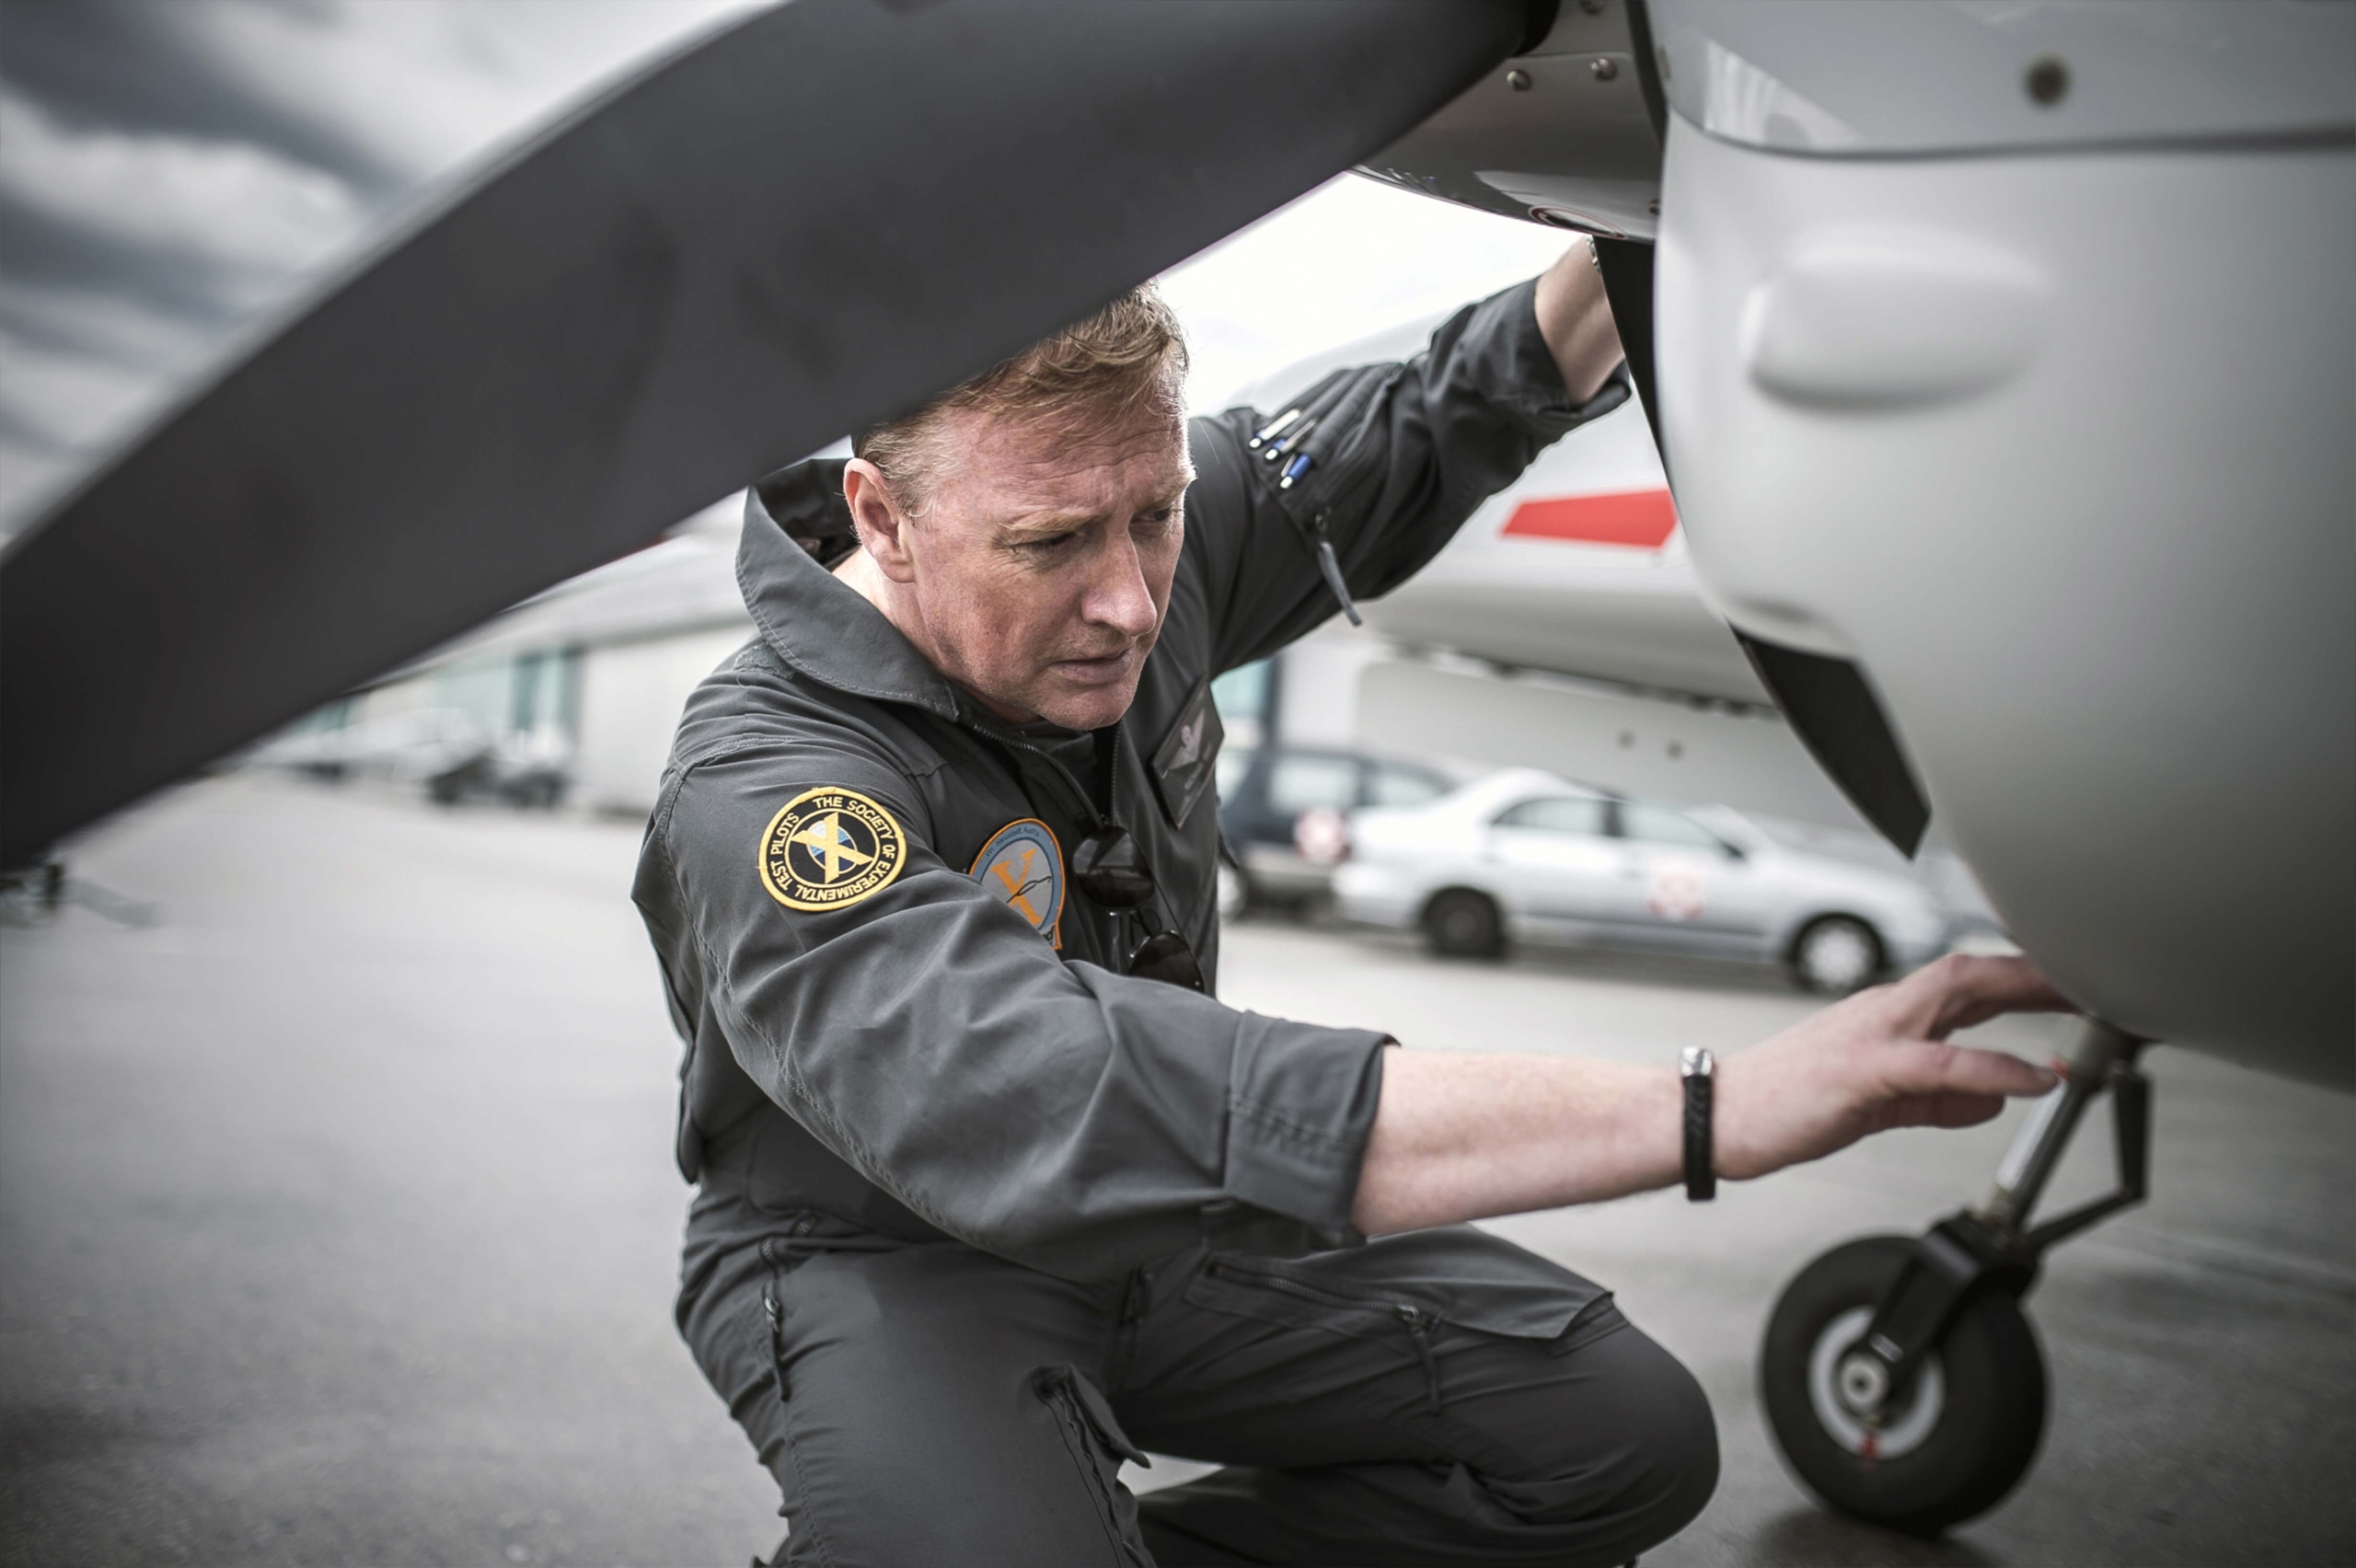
x=1023 y=867
x=829 y=848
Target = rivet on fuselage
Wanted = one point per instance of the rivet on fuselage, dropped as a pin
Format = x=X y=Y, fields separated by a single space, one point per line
x=2046 y=81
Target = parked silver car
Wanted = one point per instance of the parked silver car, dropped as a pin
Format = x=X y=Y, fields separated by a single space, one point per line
x=1521 y=855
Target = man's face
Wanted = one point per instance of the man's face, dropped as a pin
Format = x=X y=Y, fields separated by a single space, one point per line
x=1042 y=565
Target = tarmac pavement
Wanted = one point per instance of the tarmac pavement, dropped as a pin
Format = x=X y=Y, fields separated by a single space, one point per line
x=337 y=1223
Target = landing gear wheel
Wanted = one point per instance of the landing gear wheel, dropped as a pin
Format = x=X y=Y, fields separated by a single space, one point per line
x=1460 y=923
x=1957 y=1440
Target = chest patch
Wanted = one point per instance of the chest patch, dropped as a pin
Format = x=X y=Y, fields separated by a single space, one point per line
x=829 y=848
x=1188 y=757
x=1023 y=867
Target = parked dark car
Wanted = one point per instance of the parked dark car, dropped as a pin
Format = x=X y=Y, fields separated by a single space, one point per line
x=1284 y=811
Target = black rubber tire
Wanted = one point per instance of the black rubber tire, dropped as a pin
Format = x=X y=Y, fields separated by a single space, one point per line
x=1460 y=923
x=1989 y=1426
x=1830 y=924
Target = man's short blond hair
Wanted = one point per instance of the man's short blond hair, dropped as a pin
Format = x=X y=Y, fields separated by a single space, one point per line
x=1093 y=376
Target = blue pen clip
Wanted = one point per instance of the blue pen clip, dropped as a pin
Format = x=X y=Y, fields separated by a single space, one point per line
x=1294 y=469
x=1292 y=438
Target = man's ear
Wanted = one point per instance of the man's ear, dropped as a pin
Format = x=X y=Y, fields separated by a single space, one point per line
x=876 y=515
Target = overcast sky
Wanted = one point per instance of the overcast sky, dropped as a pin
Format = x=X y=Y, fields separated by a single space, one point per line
x=171 y=173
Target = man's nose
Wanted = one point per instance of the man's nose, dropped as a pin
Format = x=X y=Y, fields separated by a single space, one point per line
x=1117 y=595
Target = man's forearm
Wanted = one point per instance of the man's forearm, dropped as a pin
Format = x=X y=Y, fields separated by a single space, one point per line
x=1575 y=320
x=1464 y=1136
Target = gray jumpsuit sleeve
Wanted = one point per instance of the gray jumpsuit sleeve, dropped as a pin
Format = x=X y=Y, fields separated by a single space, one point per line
x=1403 y=454
x=1069 y=1119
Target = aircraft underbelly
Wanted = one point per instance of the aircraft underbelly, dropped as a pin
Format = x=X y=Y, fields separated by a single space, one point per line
x=1665 y=641
x=2057 y=449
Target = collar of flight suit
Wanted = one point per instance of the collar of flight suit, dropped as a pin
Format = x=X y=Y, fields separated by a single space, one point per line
x=810 y=618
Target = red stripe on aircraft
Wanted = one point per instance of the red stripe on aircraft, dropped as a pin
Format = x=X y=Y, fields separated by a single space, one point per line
x=1642 y=518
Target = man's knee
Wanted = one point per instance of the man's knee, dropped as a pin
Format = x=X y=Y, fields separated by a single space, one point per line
x=1635 y=1455
x=1671 y=1462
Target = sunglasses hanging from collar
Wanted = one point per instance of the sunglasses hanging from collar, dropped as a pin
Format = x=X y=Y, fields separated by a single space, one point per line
x=1109 y=868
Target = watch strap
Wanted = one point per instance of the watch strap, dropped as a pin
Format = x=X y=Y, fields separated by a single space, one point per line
x=1699 y=1071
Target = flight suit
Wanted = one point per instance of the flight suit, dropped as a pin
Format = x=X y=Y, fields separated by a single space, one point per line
x=979 y=1213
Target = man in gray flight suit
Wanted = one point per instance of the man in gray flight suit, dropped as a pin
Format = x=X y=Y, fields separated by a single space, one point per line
x=992 y=1191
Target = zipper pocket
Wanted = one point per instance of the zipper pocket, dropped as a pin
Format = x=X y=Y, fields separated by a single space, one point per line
x=1420 y=1325
x=1227 y=1268
x=1420 y=1322
x=773 y=1310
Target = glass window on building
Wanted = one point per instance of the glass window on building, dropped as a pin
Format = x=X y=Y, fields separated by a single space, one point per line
x=1234 y=762
x=534 y=694
x=1242 y=696
x=483 y=690
x=547 y=692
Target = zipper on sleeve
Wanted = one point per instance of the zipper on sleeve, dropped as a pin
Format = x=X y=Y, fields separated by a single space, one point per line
x=1330 y=565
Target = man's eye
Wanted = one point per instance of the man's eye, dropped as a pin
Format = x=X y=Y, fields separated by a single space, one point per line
x=1049 y=544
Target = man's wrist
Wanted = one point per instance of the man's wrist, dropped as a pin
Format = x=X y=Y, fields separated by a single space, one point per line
x=1575 y=317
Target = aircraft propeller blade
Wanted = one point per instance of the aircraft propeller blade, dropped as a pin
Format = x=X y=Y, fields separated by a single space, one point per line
x=794 y=228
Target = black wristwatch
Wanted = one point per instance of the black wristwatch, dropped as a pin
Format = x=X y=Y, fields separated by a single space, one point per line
x=1698 y=1069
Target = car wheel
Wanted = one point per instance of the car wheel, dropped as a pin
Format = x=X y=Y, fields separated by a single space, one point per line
x=1460 y=923
x=1836 y=955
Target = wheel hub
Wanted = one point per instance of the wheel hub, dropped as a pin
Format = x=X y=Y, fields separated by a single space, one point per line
x=1837 y=958
x=1863 y=1382
x=1849 y=1390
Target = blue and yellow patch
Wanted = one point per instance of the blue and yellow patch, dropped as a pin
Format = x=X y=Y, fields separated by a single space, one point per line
x=829 y=848
x=1022 y=866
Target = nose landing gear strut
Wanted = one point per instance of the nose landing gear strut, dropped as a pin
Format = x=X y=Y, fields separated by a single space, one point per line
x=1899 y=1375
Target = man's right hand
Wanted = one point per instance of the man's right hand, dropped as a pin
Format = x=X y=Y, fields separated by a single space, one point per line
x=1461 y=1137
x=1878 y=1060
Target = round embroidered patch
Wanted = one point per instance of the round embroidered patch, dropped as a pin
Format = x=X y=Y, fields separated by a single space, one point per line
x=829 y=848
x=1023 y=865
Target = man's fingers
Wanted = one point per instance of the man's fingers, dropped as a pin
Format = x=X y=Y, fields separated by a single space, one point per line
x=1964 y=1110
x=1931 y=1067
x=1962 y=989
x=1945 y=1110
